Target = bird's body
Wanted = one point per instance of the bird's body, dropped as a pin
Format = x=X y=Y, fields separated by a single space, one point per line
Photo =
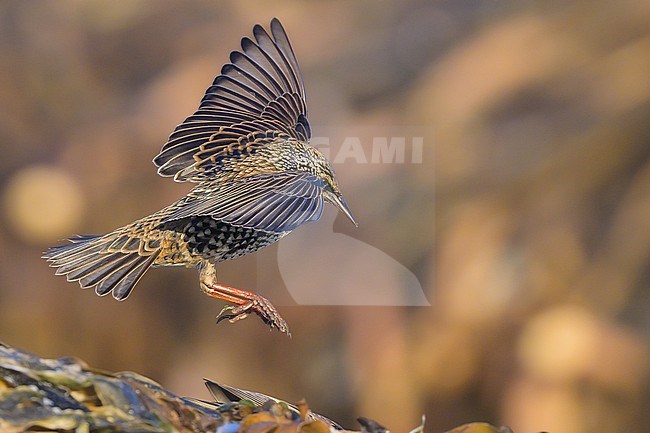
x=257 y=179
x=224 y=394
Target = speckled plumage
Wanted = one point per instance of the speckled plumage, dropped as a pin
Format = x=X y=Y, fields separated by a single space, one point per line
x=215 y=240
x=256 y=179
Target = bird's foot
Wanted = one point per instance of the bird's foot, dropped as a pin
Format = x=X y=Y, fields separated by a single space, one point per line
x=246 y=302
x=258 y=305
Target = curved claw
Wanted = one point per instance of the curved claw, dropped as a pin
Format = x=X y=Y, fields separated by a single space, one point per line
x=231 y=316
x=260 y=306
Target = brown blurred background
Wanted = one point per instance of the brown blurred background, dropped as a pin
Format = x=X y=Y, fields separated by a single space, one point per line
x=527 y=223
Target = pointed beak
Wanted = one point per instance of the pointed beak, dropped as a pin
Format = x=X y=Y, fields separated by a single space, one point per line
x=339 y=202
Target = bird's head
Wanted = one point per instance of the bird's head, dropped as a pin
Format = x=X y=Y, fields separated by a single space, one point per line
x=331 y=191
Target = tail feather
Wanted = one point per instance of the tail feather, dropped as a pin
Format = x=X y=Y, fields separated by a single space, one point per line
x=61 y=256
x=87 y=260
x=82 y=268
x=122 y=288
x=71 y=264
x=95 y=276
x=80 y=238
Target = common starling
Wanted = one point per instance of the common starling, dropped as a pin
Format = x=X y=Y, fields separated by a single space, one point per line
x=257 y=178
x=223 y=393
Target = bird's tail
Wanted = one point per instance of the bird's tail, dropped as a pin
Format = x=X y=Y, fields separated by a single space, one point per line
x=108 y=263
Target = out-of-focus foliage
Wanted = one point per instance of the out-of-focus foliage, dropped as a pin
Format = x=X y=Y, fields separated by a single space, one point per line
x=526 y=222
x=65 y=395
x=479 y=427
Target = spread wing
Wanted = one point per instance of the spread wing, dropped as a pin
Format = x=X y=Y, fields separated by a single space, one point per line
x=258 y=97
x=271 y=202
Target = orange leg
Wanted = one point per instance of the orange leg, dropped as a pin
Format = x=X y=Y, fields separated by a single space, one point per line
x=247 y=302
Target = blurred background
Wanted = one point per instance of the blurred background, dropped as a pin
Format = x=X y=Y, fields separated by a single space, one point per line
x=527 y=222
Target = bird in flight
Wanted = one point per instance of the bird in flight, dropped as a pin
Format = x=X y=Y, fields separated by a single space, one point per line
x=256 y=177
